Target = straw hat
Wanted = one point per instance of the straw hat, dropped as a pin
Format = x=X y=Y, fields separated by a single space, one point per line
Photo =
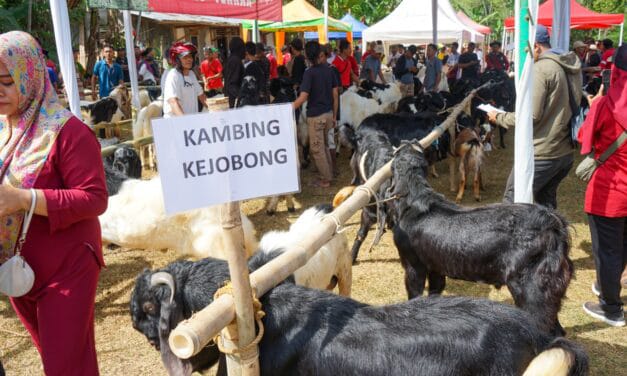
x=578 y=44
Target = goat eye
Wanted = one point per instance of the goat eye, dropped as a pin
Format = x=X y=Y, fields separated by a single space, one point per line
x=149 y=308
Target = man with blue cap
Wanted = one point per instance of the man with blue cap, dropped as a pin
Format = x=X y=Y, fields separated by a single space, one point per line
x=557 y=93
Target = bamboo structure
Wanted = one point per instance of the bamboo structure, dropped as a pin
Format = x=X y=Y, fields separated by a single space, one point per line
x=245 y=361
x=191 y=335
x=137 y=144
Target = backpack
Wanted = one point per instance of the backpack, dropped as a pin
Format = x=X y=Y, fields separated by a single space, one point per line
x=575 y=95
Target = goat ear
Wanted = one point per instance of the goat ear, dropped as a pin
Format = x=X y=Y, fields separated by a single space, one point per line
x=170 y=315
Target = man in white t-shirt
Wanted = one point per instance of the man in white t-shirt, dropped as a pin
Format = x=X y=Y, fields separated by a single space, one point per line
x=182 y=90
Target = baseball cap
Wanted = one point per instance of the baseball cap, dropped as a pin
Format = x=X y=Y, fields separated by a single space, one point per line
x=578 y=44
x=378 y=49
x=542 y=34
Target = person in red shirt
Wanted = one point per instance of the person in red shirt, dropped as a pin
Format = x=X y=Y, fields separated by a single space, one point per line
x=607 y=53
x=606 y=194
x=273 y=63
x=343 y=64
x=369 y=50
x=211 y=70
x=354 y=65
x=52 y=161
x=496 y=60
x=287 y=56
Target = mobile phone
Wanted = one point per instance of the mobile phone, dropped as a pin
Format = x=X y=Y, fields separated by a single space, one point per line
x=605 y=79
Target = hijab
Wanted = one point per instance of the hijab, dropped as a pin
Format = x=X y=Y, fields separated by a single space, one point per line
x=612 y=105
x=25 y=147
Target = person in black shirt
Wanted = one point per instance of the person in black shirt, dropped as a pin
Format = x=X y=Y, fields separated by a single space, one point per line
x=469 y=63
x=234 y=70
x=254 y=69
x=122 y=60
x=319 y=89
x=265 y=67
x=298 y=62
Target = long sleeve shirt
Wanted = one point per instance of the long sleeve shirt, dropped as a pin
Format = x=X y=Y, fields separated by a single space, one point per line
x=73 y=183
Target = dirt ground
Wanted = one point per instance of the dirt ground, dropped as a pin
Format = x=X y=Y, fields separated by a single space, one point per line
x=377 y=279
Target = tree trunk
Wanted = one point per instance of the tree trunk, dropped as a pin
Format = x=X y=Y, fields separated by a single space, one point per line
x=92 y=40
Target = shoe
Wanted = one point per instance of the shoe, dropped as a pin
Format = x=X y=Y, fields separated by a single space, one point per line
x=596 y=290
x=595 y=310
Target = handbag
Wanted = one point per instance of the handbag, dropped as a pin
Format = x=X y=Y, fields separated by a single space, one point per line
x=16 y=276
x=586 y=168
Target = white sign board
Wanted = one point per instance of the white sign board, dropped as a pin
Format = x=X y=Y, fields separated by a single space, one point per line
x=216 y=157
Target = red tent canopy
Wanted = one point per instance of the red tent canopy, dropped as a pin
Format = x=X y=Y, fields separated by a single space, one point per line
x=485 y=30
x=266 y=10
x=580 y=17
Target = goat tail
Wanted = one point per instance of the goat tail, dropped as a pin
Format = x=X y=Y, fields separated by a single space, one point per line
x=556 y=269
x=561 y=358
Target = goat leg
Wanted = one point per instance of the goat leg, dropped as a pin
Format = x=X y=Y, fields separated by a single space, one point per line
x=289 y=201
x=437 y=282
x=462 y=179
x=434 y=173
x=476 y=185
x=364 y=227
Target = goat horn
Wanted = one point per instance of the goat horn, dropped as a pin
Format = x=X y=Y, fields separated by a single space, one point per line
x=163 y=278
x=451 y=119
x=362 y=166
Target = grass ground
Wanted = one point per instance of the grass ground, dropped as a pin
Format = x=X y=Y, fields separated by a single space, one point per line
x=377 y=279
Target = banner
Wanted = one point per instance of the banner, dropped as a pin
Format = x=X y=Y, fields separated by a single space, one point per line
x=265 y=10
x=216 y=157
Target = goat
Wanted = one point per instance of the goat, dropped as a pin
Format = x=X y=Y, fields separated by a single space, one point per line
x=135 y=218
x=248 y=93
x=104 y=110
x=522 y=246
x=123 y=99
x=314 y=332
x=373 y=150
x=120 y=166
x=469 y=150
x=332 y=263
x=282 y=90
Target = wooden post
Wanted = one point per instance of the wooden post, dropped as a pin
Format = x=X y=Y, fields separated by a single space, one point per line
x=191 y=335
x=242 y=333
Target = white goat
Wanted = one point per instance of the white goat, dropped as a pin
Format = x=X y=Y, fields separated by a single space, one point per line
x=135 y=218
x=332 y=260
x=143 y=128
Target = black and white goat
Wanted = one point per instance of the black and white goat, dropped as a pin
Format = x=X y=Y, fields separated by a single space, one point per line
x=314 y=332
x=248 y=93
x=120 y=166
x=524 y=247
x=110 y=109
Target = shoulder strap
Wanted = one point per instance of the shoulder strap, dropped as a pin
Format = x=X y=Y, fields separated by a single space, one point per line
x=26 y=224
x=613 y=147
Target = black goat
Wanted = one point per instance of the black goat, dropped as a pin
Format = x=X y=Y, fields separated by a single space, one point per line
x=248 y=93
x=372 y=86
x=282 y=89
x=120 y=166
x=373 y=150
x=313 y=332
x=524 y=247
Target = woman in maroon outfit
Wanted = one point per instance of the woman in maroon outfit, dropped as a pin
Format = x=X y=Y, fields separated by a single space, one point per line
x=606 y=195
x=43 y=147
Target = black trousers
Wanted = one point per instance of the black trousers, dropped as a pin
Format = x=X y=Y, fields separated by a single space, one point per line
x=609 y=247
x=547 y=175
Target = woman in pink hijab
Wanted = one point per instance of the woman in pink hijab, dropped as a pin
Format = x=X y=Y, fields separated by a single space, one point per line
x=44 y=148
x=606 y=195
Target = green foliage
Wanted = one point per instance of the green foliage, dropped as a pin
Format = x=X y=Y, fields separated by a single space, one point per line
x=371 y=10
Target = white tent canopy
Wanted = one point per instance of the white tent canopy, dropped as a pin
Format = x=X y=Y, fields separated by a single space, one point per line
x=411 y=22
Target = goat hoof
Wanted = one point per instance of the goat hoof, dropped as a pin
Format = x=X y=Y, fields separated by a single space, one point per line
x=458 y=200
x=291 y=210
x=435 y=175
x=478 y=199
x=270 y=212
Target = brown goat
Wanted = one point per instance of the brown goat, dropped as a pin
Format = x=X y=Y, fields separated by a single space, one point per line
x=469 y=150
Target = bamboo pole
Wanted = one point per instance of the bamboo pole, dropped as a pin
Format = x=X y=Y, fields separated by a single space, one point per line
x=191 y=335
x=238 y=336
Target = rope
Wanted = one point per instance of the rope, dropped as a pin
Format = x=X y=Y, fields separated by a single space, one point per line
x=338 y=225
x=377 y=202
x=259 y=314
